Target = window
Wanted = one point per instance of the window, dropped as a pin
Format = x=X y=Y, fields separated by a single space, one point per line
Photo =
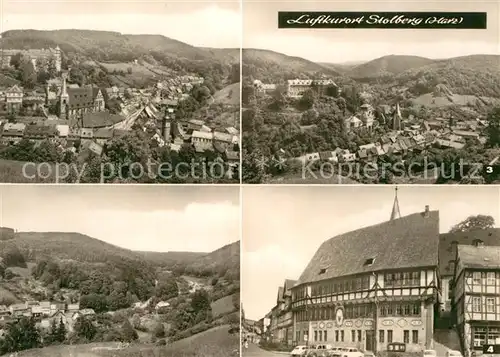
x=325 y=335
x=414 y=336
x=297 y=336
x=406 y=336
x=476 y=304
x=490 y=304
x=353 y=336
x=342 y=336
x=407 y=309
x=479 y=336
x=490 y=278
x=381 y=336
x=399 y=310
x=336 y=336
x=315 y=335
x=493 y=335
x=416 y=309
x=322 y=271
x=369 y=261
x=320 y=335
x=476 y=278
x=360 y=336
x=389 y=336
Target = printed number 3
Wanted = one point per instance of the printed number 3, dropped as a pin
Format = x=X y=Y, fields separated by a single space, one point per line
x=489 y=170
x=490 y=348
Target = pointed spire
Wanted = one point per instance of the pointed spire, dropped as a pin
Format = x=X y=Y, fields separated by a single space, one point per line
x=398 y=111
x=395 y=214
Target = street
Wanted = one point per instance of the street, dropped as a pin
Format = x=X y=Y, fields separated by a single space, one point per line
x=255 y=351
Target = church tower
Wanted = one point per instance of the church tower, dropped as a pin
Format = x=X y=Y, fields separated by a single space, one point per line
x=395 y=214
x=63 y=99
x=397 y=119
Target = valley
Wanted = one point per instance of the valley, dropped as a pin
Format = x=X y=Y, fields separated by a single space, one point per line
x=108 y=299
x=394 y=119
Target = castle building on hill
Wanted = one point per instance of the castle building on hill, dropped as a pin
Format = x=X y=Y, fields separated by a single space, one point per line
x=75 y=102
x=296 y=87
x=35 y=55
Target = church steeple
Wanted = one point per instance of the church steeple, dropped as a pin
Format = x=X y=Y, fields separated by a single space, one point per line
x=395 y=214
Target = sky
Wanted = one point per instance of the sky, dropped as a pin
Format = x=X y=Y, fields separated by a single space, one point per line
x=260 y=30
x=283 y=226
x=202 y=23
x=146 y=218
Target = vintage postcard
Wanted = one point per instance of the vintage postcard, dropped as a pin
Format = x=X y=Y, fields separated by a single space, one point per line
x=120 y=92
x=412 y=271
x=371 y=92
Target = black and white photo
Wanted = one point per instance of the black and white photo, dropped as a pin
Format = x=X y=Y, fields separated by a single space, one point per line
x=370 y=271
x=120 y=92
x=114 y=270
x=369 y=92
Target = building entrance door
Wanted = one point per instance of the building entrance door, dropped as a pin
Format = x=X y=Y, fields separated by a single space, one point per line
x=370 y=341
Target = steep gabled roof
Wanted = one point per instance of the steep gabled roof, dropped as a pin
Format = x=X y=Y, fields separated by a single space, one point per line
x=408 y=242
x=448 y=245
x=482 y=257
x=280 y=295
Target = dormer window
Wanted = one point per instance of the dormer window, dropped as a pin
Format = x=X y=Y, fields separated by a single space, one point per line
x=369 y=261
x=322 y=271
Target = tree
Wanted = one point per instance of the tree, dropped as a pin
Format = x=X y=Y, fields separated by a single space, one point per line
x=493 y=129
x=128 y=333
x=167 y=289
x=85 y=328
x=474 y=222
x=200 y=301
x=28 y=74
x=159 y=330
x=61 y=331
x=22 y=335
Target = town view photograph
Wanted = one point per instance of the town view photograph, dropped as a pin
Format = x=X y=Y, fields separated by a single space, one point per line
x=413 y=271
x=360 y=106
x=120 y=92
x=119 y=271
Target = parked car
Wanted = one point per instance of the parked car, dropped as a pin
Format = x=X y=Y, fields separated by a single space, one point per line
x=322 y=350
x=352 y=352
x=369 y=354
x=299 y=351
x=429 y=353
x=453 y=353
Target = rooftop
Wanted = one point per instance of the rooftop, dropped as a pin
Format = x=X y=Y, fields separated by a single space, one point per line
x=407 y=242
x=479 y=257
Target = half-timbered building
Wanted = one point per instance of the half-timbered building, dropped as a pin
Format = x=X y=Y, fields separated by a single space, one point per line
x=372 y=287
x=476 y=295
x=448 y=243
x=284 y=314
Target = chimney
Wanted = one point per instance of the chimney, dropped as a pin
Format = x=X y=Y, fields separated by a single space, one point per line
x=426 y=212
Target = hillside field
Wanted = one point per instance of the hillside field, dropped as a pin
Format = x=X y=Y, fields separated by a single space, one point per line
x=229 y=95
x=222 y=306
x=214 y=342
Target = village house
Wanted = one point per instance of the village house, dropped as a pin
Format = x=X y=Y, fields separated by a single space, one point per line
x=476 y=295
x=202 y=140
x=82 y=313
x=12 y=133
x=18 y=310
x=13 y=99
x=40 y=133
x=55 y=316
